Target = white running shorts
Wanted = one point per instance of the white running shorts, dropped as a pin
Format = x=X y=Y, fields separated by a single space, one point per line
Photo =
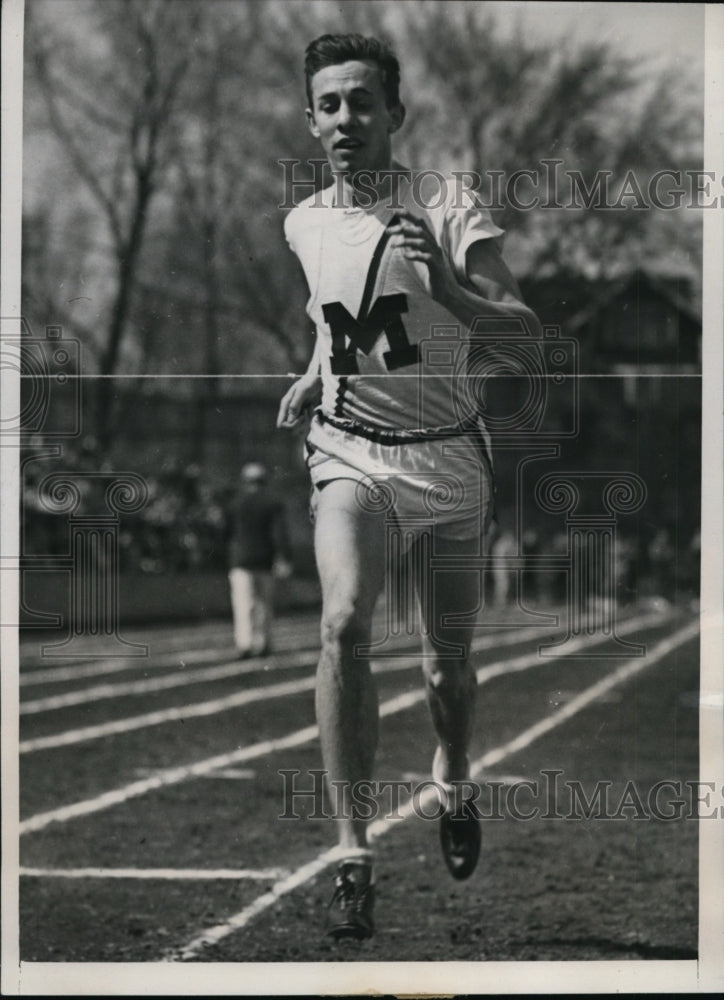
x=442 y=482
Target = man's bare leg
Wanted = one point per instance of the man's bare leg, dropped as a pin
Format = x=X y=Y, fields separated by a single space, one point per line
x=350 y=551
x=449 y=679
x=450 y=682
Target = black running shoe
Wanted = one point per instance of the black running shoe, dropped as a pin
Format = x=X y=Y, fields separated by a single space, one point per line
x=349 y=914
x=460 y=840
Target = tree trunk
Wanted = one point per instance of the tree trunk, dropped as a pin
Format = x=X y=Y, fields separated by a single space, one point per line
x=128 y=255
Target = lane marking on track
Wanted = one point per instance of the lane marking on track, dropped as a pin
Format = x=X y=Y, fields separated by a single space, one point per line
x=286 y=636
x=181 y=657
x=289 y=636
x=162 y=779
x=100 y=692
x=587 y=697
x=232 y=773
x=172 y=635
x=164 y=715
x=228 y=702
x=417 y=777
x=50 y=664
x=237 y=874
x=224 y=671
x=428 y=798
x=101 y=668
x=175 y=775
x=193 y=640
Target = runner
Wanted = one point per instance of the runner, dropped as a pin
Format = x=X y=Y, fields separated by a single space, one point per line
x=397 y=272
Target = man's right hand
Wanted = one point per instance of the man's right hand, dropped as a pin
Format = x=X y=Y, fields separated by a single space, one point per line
x=297 y=401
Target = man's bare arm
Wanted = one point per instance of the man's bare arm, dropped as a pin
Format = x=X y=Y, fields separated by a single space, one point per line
x=496 y=291
x=302 y=394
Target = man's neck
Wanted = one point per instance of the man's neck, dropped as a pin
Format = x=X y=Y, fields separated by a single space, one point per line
x=368 y=187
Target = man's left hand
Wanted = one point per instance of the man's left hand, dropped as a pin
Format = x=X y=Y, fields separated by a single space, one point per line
x=417 y=242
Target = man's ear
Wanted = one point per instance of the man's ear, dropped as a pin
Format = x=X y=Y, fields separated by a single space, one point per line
x=311 y=122
x=396 y=116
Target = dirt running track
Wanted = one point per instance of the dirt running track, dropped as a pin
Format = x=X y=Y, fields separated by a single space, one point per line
x=151 y=795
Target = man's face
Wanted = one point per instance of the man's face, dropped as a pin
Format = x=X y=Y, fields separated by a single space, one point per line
x=350 y=118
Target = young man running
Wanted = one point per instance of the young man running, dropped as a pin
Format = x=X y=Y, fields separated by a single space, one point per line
x=397 y=275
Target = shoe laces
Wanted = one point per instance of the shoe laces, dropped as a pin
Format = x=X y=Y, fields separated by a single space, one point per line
x=349 y=893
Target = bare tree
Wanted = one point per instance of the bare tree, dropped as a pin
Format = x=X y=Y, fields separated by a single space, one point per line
x=507 y=102
x=173 y=117
x=112 y=109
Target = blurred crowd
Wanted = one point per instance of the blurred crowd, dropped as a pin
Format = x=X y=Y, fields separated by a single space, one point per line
x=181 y=528
x=654 y=563
x=184 y=527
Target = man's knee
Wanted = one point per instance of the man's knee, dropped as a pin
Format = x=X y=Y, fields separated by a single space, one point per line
x=345 y=623
x=448 y=675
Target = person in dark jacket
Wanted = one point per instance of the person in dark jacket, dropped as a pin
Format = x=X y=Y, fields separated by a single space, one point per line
x=258 y=551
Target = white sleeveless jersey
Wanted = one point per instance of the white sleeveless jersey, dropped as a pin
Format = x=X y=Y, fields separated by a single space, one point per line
x=391 y=356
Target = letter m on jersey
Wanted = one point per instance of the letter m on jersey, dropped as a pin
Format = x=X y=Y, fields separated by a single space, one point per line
x=350 y=335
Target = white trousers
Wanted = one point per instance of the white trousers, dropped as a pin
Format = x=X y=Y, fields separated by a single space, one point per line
x=251 y=605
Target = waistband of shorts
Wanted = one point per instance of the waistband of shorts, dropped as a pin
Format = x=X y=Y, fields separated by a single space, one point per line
x=400 y=435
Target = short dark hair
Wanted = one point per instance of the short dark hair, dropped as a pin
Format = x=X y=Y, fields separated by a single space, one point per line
x=331 y=50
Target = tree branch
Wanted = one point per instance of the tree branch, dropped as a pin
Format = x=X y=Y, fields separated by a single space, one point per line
x=78 y=160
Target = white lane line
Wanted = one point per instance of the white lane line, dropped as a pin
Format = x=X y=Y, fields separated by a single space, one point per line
x=162 y=779
x=178 y=656
x=224 y=671
x=236 y=923
x=290 y=638
x=86 y=666
x=232 y=773
x=199 y=710
x=287 y=634
x=296 y=643
x=526 y=661
x=102 y=668
x=183 y=656
x=417 y=777
x=175 y=775
x=237 y=874
x=100 y=692
x=428 y=798
x=162 y=716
